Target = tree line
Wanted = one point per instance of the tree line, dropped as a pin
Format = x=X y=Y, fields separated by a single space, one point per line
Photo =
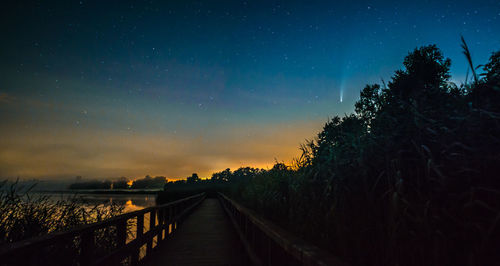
x=147 y=182
x=410 y=178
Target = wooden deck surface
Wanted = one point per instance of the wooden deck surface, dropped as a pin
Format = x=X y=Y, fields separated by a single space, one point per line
x=206 y=237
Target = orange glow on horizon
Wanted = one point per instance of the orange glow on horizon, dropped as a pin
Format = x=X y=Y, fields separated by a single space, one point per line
x=63 y=154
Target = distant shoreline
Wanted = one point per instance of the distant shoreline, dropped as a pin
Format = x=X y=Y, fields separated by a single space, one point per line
x=101 y=191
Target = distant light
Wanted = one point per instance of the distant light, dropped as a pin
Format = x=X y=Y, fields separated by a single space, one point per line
x=341 y=95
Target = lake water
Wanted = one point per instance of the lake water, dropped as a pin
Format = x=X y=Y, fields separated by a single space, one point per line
x=130 y=202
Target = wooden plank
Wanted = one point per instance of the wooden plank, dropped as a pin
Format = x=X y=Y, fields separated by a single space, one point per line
x=144 y=238
x=206 y=237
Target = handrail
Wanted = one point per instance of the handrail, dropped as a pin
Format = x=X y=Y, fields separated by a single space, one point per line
x=268 y=244
x=163 y=220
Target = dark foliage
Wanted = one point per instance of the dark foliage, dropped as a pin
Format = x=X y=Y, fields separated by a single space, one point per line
x=24 y=215
x=410 y=179
x=120 y=183
x=94 y=184
x=225 y=181
x=149 y=182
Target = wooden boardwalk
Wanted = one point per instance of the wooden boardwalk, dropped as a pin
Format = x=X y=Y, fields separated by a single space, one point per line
x=206 y=237
x=207 y=234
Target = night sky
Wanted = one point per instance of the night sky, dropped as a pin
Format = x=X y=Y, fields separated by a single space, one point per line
x=129 y=88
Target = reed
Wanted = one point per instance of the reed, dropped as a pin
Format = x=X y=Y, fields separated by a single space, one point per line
x=411 y=178
x=25 y=215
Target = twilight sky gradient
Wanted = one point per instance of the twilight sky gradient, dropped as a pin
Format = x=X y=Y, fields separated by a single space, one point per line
x=129 y=88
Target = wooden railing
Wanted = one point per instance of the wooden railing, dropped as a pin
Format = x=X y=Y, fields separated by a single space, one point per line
x=268 y=244
x=123 y=239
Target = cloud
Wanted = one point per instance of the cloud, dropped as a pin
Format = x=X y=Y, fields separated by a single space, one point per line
x=68 y=152
x=6 y=98
x=61 y=137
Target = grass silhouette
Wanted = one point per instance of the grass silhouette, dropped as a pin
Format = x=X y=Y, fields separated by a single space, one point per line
x=410 y=178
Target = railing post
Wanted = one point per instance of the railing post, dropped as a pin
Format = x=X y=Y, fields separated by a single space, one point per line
x=268 y=250
x=246 y=227
x=165 y=221
x=149 y=247
x=121 y=233
x=253 y=236
x=160 y=226
x=174 y=218
x=139 y=231
x=121 y=237
x=87 y=247
x=170 y=219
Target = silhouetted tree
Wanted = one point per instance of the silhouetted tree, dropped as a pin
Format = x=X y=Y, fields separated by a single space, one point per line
x=94 y=184
x=222 y=176
x=410 y=179
x=192 y=179
x=149 y=182
x=121 y=183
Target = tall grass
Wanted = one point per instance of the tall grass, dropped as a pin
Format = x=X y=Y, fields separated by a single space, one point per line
x=25 y=215
x=411 y=178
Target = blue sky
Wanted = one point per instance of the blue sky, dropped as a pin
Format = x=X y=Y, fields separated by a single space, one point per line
x=216 y=84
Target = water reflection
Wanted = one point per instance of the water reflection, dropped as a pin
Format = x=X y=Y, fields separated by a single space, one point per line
x=130 y=205
x=130 y=202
